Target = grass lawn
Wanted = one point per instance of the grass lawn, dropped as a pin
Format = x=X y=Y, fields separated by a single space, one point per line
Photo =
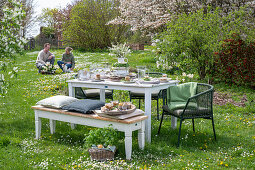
x=235 y=128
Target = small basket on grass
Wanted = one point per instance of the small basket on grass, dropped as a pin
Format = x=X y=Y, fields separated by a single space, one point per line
x=100 y=143
x=102 y=154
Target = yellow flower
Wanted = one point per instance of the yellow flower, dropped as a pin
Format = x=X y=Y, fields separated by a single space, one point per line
x=221 y=162
x=226 y=165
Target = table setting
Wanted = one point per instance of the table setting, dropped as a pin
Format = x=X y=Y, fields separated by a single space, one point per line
x=100 y=74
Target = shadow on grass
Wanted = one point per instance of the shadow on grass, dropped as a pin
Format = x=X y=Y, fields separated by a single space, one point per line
x=201 y=139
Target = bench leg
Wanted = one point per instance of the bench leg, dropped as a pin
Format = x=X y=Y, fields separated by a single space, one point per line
x=52 y=126
x=128 y=144
x=141 y=136
x=38 y=126
x=73 y=126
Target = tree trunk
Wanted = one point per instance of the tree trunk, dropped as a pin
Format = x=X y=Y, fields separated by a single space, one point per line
x=201 y=72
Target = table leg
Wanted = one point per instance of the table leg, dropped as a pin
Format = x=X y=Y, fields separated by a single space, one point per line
x=71 y=90
x=52 y=126
x=148 y=113
x=128 y=144
x=102 y=95
x=141 y=136
x=72 y=94
x=174 y=119
x=38 y=126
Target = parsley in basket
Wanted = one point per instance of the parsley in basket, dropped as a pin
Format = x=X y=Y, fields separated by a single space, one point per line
x=101 y=138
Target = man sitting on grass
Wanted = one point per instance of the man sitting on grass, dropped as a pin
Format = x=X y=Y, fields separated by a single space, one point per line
x=67 y=61
x=44 y=56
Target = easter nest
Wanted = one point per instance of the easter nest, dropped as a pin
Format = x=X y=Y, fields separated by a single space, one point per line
x=101 y=154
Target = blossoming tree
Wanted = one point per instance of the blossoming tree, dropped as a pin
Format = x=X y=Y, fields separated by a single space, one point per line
x=151 y=16
x=10 y=41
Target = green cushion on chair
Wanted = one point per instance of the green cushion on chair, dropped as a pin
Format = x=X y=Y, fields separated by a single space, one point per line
x=181 y=105
x=177 y=96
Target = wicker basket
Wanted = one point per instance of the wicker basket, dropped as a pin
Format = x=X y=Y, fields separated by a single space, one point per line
x=101 y=154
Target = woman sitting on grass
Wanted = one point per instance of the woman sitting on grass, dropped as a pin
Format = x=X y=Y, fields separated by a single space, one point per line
x=67 y=61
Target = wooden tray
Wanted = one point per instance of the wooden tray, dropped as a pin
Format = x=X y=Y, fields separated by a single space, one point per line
x=137 y=112
x=120 y=112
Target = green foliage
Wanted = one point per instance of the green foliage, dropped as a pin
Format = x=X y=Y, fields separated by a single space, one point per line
x=87 y=25
x=234 y=63
x=4 y=141
x=120 y=65
x=46 y=18
x=191 y=39
x=104 y=136
x=48 y=32
x=139 y=37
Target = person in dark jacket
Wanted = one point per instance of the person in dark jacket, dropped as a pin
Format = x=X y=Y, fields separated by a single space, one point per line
x=67 y=62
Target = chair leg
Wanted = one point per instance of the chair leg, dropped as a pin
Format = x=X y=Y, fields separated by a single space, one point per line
x=160 y=122
x=157 y=111
x=193 y=125
x=139 y=103
x=179 y=136
x=213 y=129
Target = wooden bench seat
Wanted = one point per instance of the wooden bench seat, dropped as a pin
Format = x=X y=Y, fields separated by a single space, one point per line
x=127 y=126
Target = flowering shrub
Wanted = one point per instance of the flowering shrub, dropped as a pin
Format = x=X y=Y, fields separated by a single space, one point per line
x=10 y=42
x=234 y=63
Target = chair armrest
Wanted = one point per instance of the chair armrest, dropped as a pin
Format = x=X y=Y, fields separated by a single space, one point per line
x=202 y=93
x=203 y=100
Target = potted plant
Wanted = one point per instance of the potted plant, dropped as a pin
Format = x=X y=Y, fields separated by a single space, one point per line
x=101 y=143
x=120 y=51
x=48 y=69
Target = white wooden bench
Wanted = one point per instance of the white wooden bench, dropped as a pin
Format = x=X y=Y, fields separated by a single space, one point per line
x=127 y=126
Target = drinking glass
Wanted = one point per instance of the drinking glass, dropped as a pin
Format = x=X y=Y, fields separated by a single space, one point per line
x=141 y=72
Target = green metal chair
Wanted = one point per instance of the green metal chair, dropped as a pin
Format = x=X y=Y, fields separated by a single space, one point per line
x=92 y=93
x=199 y=105
x=154 y=96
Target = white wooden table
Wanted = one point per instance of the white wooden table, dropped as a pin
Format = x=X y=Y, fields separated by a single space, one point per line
x=146 y=88
x=127 y=126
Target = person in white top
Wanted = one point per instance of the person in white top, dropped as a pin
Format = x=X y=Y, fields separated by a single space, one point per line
x=45 y=56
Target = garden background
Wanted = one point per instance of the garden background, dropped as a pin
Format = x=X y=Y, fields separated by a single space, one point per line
x=215 y=45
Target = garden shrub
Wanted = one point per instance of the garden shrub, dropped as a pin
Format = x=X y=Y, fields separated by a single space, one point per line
x=191 y=39
x=87 y=27
x=234 y=63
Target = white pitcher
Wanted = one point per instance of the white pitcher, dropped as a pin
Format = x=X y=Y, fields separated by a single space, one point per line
x=122 y=60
